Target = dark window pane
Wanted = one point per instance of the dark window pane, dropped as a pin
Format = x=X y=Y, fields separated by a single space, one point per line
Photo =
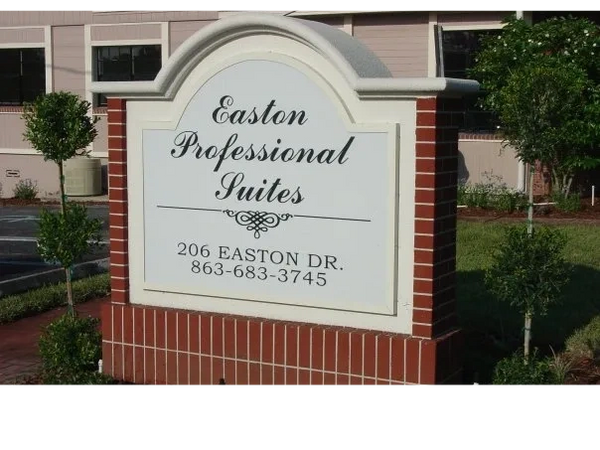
x=146 y=62
x=459 y=50
x=22 y=75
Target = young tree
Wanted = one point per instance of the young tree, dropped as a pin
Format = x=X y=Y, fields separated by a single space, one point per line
x=529 y=272
x=543 y=81
x=57 y=125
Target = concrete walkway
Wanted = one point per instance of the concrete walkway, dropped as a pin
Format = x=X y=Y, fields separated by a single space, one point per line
x=19 y=355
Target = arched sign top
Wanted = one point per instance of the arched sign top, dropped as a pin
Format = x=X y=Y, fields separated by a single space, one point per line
x=362 y=69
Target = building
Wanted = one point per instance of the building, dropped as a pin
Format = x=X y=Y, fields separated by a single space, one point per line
x=65 y=50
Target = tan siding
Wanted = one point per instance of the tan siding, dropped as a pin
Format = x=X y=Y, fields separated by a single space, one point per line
x=180 y=31
x=125 y=32
x=152 y=16
x=26 y=18
x=44 y=173
x=399 y=40
x=69 y=59
x=11 y=131
x=478 y=158
x=101 y=141
x=21 y=36
x=472 y=18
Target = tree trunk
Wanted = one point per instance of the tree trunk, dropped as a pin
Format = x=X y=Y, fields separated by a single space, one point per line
x=63 y=207
x=527 y=337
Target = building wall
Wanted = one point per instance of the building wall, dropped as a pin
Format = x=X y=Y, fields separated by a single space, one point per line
x=483 y=161
x=68 y=50
x=400 y=40
x=180 y=31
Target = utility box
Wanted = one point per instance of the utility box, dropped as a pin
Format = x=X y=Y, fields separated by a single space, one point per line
x=83 y=176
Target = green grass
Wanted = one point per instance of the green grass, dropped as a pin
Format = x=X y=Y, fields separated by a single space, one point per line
x=493 y=329
x=36 y=301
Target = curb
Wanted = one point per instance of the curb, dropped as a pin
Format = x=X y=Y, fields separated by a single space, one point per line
x=53 y=276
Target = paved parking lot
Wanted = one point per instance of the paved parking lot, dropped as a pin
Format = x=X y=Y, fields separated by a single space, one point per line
x=18 y=230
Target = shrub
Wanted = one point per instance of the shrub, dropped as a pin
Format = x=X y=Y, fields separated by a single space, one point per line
x=517 y=370
x=491 y=194
x=585 y=342
x=25 y=190
x=568 y=203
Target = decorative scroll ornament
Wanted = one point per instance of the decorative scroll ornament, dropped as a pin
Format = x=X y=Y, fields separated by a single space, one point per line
x=257 y=221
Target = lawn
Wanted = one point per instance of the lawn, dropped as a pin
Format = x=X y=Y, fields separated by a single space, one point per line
x=492 y=329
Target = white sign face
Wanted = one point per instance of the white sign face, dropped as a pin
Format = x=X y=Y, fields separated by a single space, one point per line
x=264 y=193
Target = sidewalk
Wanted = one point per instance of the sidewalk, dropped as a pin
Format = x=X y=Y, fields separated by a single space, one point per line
x=18 y=340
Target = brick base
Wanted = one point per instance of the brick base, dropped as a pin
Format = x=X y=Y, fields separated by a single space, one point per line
x=147 y=345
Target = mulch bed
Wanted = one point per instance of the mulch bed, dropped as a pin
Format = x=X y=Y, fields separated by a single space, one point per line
x=38 y=202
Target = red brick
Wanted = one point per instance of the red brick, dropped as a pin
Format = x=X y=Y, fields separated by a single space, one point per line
x=412 y=361
x=424 y=226
x=424 y=241
x=116 y=130
x=316 y=377
x=117 y=233
x=115 y=181
x=342 y=379
x=119 y=271
x=117 y=207
x=182 y=332
x=421 y=330
x=425 y=180
x=356 y=353
x=138 y=326
x=304 y=346
x=266 y=371
x=161 y=369
x=206 y=371
x=119 y=297
x=171 y=330
x=149 y=327
x=254 y=373
x=317 y=348
x=423 y=286
x=160 y=329
x=117 y=323
x=291 y=375
x=368 y=381
x=242 y=339
x=329 y=378
x=424 y=257
x=426 y=165
x=254 y=336
x=383 y=356
x=183 y=371
x=194 y=333
x=330 y=350
x=117 y=143
x=230 y=371
x=119 y=258
x=149 y=367
x=171 y=368
x=119 y=284
x=428 y=362
x=128 y=360
x=241 y=369
x=343 y=356
x=425 y=211
x=279 y=356
x=118 y=363
x=267 y=342
x=115 y=168
x=117 y=155
x=116 y=117
x=278 y=375
x=205 y=335
x=106 y=323
x=426 y=134
x=291 y=356
x=422 y=315
x=229 y=333
x=425 y=196
x=397 y=372
x=107 y=358
x=369 y=354
x=194 y=369
x=426 y=119
x=115 y=103
x=423 y=270
x=217 y=336
x=117 y=200
x=427 y=104
x=355 y=380
x=218 y=371
x=422 y=301
x=303 y=376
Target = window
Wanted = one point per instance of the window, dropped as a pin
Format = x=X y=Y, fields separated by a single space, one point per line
x=22 y=75
x=126 y=63
x=459 y=49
